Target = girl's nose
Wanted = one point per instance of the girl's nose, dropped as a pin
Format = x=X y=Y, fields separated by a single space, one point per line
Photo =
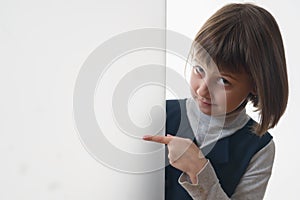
x=203 y=90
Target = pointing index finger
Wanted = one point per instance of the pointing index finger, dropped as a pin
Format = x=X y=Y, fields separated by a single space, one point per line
x=158 y=138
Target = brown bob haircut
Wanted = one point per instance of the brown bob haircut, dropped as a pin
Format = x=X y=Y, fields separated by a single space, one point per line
x=246 y=37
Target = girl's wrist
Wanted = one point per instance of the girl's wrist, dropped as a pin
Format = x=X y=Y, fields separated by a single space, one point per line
x=195 y=168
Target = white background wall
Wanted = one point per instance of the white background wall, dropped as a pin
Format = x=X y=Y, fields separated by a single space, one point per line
x=43 y=45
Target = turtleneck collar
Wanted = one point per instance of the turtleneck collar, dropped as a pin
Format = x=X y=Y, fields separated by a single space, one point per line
x=208 y=129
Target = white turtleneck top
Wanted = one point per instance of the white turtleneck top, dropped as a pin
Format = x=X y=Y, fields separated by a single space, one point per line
x=208 y=129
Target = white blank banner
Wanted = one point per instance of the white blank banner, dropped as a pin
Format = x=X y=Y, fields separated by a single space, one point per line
x=44 y=47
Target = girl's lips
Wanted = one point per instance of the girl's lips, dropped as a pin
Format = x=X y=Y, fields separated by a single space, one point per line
x=205 y=103
x=203 y=100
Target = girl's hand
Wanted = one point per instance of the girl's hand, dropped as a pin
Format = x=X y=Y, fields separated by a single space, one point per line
x=183 y=154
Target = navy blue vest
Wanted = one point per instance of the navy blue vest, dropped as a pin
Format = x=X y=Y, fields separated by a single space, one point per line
x=229 y=157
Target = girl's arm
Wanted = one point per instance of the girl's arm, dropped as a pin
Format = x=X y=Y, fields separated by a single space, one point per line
x=252 y=185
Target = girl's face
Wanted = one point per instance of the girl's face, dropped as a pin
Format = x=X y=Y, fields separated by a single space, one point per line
x=218 y=93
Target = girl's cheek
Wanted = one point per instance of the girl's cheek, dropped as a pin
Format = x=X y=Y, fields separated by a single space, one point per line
x=220 y=99
x=217 y=94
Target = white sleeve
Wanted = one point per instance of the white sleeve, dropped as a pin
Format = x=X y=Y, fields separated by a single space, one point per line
x=252 y=185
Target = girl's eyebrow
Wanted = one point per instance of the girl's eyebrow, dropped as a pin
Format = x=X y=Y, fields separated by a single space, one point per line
x=232 y=76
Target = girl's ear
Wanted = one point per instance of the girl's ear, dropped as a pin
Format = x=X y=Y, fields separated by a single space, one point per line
x=254 y=91
x=253 y=98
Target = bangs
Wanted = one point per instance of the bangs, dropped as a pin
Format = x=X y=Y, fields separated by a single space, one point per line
x=222 y=42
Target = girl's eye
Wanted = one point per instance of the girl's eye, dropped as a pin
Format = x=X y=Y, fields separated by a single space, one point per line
x=198 y=70
x=223 y=81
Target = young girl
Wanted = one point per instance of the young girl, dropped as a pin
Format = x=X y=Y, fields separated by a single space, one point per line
x=215 y=150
